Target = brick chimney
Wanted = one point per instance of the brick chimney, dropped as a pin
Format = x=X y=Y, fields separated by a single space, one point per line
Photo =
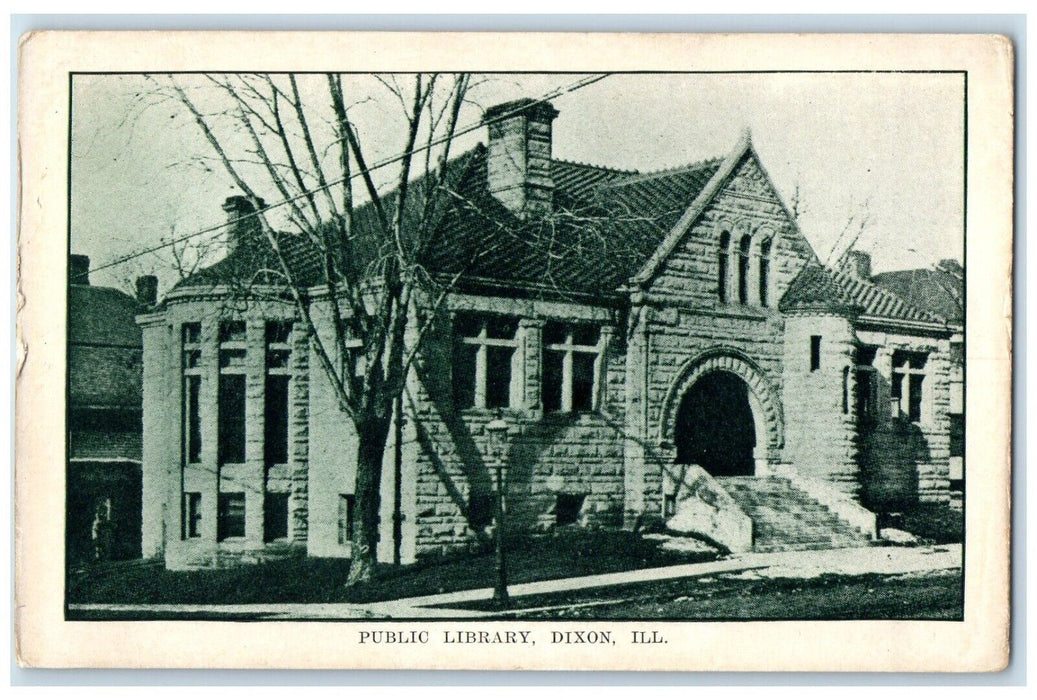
x=79 y=269
x=147 y=290
x=518 y=163
x=241 y=230
x=858 y=264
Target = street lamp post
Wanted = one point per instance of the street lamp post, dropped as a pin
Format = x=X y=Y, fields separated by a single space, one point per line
x=498 y=434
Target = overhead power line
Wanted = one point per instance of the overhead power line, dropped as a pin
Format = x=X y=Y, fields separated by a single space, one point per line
x=557 y=92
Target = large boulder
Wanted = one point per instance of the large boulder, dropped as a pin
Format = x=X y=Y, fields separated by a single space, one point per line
x=704 y=509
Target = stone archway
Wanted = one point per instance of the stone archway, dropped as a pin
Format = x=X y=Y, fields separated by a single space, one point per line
x=743 y=395
x=715 y=427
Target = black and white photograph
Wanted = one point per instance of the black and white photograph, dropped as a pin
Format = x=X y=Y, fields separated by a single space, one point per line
x=535 y=347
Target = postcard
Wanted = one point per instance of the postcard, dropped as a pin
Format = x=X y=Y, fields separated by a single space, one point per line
x=514 y=351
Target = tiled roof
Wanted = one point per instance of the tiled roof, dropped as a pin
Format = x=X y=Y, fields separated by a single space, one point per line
x=819 y=288
x=937 y=290
x=102 y=316
x=606 y=224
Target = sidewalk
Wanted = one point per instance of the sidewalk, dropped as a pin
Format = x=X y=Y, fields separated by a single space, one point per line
x=865 y=560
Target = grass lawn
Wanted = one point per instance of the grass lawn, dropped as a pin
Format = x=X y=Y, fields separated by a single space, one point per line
x=925 y=596
x=560 y=554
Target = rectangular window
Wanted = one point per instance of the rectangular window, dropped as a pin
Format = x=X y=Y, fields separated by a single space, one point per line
x=230 y=517
x=815 y=353
x=867 y=392
x=914 y=398
x=192 y=515
x=481 y=507
x=743 y=270
x=484 y=361
x=571 y=362
x=907 y=384
x=278 y=344
x=551 y=379
x=232 y=419
x=583 y=381
x=192 y=333
x=465 y=359
x=275 y=517
x=193 y=420
x=345 y=518
x=275 y=423
x=765 y=271
x=190 y=336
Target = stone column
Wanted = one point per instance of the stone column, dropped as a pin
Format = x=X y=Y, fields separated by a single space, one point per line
x=531 y=332
x=635 y=423
x=253 y=476
x=208 y=471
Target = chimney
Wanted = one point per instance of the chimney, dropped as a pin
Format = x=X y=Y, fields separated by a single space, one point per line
x=858 y=264
x=243 y=230
x=79 y=269
x=147 y=290
x=518 y=163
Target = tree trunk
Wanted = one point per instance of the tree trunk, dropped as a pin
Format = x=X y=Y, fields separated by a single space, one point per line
x=371 y=435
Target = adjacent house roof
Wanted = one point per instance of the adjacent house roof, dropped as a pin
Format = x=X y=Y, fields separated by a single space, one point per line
x=818 y=288
x=104 y=349
x=941 y=290
x=102 y=316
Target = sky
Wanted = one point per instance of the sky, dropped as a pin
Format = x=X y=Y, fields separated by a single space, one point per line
x=885 y=146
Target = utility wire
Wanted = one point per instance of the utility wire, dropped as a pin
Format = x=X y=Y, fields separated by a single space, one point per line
x=557 y=92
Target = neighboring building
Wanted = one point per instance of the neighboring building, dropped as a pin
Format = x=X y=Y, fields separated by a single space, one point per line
x=629 y=326
x=941 y=290
x=103 y=478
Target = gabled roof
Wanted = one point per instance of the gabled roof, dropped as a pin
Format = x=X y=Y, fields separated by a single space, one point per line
x=817 y=288
x=607 y=224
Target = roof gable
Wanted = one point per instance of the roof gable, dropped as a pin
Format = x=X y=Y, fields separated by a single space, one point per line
x=726 y=170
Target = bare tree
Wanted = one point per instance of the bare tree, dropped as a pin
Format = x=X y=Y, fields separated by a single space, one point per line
x=294 y=136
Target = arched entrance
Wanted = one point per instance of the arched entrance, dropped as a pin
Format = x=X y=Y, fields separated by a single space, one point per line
x=715 y=427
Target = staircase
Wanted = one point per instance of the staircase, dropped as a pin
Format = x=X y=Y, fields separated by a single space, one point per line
x=786 y=518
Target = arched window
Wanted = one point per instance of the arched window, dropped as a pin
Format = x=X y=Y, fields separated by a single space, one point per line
x=765 y=271
x=722 y=265
x=743 y=270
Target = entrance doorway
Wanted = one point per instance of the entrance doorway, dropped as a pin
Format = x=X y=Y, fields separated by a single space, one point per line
x=715 y=427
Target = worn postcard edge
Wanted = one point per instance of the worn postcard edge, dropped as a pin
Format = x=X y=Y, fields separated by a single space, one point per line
x=43 y=637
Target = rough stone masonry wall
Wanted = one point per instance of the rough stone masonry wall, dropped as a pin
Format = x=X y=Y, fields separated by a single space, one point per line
x=820 y=432
x=577 y=453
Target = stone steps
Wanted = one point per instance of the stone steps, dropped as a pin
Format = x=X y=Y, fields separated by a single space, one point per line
x=786 y=518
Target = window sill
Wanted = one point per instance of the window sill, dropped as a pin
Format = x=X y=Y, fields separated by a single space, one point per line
x=730 y=310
